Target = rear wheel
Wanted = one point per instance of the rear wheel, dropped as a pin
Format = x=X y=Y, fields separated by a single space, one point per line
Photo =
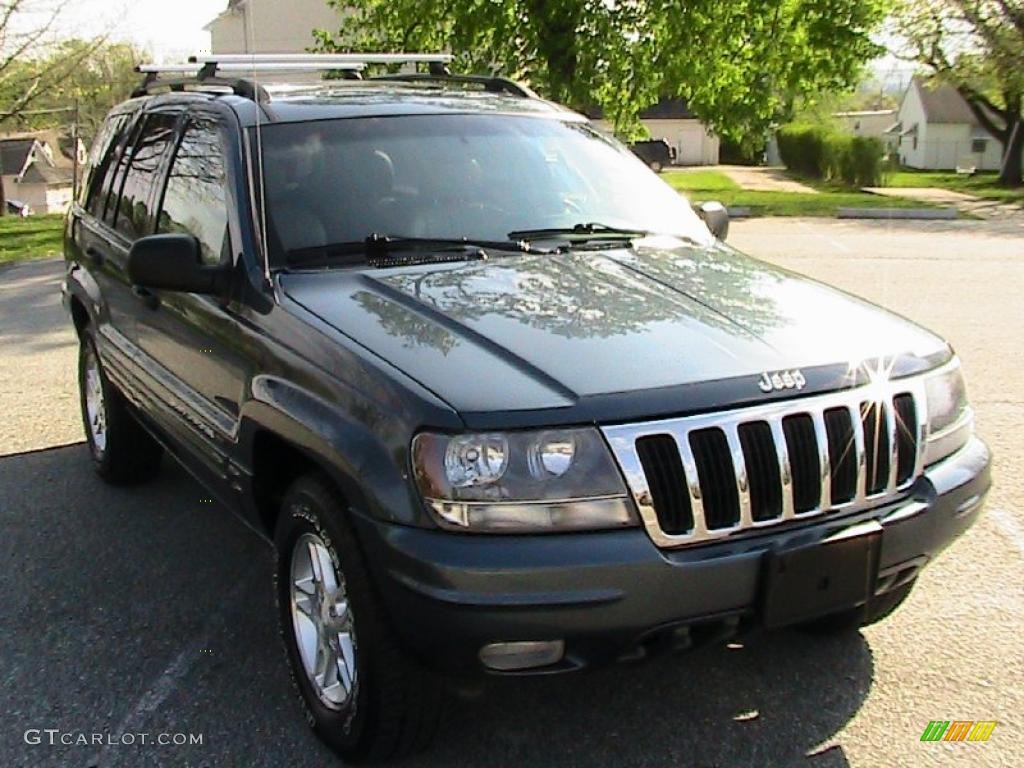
x=361 y=693
x=123 y=453
x=876 y=609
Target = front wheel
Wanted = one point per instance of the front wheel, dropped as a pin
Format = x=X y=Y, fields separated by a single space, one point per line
x=123 y=453
x=361 y=693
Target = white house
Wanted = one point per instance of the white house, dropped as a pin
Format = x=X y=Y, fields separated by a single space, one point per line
x=270 y=26
x=35 y=171
x=672 y=120
x=936 y=130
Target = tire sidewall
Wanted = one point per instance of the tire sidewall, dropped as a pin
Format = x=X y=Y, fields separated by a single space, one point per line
x=302 y=512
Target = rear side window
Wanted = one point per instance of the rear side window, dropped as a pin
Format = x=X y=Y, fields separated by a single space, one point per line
x=133 y=208
x=103 y=159
x=195 y=201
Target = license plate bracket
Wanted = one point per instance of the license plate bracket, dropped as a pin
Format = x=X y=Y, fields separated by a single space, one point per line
x=813 y=580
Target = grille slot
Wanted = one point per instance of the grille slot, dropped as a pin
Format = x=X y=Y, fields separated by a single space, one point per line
x=906 y=436
x=842 y=454
x=659 y=457
x=762 y=470
x=717 y=478
x=803 y=461
x=876 y=445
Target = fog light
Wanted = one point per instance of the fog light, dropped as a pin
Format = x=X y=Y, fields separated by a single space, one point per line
x=507 y=657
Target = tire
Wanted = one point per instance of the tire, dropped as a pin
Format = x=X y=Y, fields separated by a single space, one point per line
x=656 y=166
x=877 y=609
x=387 y=705
x=123 y=453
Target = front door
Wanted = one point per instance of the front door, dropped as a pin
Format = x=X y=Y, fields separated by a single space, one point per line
x=193 y=340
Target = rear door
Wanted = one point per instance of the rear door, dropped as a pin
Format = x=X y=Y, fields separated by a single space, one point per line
x=119 y=212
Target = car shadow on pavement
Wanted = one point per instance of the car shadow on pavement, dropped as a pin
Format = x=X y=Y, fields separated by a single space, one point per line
x=150 y=609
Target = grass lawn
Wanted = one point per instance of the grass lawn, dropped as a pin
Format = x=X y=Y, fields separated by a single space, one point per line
x=983 y=185
x=33 y=238
x=714 y=185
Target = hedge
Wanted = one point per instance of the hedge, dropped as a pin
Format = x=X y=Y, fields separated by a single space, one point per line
x=827 y=154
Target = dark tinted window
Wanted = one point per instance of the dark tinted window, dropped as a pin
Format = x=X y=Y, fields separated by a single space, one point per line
x=133 y=212
x=103 y=158
x=194 y=201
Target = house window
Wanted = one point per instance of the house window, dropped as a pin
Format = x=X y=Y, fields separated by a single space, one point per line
x=978 y=146
x=915 y=142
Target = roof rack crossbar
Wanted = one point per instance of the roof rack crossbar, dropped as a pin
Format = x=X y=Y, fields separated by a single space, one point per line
x=210 y=69
x=327 y=60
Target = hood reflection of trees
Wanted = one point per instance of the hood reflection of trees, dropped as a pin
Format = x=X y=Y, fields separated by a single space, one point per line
x=587 y=294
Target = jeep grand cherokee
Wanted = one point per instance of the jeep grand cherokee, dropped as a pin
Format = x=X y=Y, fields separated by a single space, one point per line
x=499 y=397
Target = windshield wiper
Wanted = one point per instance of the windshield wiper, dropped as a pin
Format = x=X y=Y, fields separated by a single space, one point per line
x=590 y=232
x=580 y=232
x=384 y=250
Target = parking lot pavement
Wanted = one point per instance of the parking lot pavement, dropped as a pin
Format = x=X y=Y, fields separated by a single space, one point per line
x=149 y=610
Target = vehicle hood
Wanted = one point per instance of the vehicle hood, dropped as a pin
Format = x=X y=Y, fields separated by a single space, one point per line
x=536 y=332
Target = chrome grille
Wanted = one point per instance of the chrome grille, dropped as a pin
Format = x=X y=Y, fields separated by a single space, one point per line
x=701 y=478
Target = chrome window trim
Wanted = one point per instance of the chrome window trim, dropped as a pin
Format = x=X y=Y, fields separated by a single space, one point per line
x=622 y=440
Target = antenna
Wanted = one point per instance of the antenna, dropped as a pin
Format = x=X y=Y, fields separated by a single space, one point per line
x=251 y=43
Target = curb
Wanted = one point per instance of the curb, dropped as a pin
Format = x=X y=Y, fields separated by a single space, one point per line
x=933 y=214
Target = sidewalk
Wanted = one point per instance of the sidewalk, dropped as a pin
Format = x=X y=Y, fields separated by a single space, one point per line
x=758 y=179
x=969 y=204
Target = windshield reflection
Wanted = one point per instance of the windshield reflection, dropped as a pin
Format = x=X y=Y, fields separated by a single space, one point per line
x=477 y=176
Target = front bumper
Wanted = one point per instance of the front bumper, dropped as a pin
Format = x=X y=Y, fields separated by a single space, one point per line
x=606 y=593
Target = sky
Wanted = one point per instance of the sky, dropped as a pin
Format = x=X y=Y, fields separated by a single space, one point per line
x=170 y=29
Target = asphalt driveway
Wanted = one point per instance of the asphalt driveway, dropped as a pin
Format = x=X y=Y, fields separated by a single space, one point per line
x=149 y=611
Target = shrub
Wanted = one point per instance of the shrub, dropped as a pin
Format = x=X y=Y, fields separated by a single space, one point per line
x=829 y=155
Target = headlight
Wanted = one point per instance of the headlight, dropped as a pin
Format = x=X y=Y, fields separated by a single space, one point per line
x=950 y=418
x=549 y=480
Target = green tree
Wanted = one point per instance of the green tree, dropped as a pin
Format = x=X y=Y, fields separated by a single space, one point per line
x=978 y=47
x=104 y=76
x=740 y=64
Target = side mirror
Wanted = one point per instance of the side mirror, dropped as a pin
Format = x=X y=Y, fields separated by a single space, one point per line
x=173 y=263
x=716 y=217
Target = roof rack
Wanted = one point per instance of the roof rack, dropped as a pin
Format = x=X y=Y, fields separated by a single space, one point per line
x=203 y=72
x=205 y=76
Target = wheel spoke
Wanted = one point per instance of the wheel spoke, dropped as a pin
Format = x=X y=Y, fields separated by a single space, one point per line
x=325 y=568
x=347 y=659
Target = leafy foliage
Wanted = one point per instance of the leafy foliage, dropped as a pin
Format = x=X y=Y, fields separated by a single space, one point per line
x=103 y=76
x=823 y=153
x=739 y=63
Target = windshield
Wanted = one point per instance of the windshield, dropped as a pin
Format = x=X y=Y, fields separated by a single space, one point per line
x=479 y=177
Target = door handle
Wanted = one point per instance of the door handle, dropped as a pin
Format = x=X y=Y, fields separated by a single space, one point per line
x=146 y=296
x=95 y=255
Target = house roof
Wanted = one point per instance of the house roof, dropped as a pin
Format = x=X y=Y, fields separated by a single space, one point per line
x=14 y=154
x=942 y=103
x=61 y=145
x=44 y=173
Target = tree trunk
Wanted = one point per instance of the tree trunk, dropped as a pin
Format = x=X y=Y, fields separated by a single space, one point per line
x=1013 y=155
x=3 y=194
